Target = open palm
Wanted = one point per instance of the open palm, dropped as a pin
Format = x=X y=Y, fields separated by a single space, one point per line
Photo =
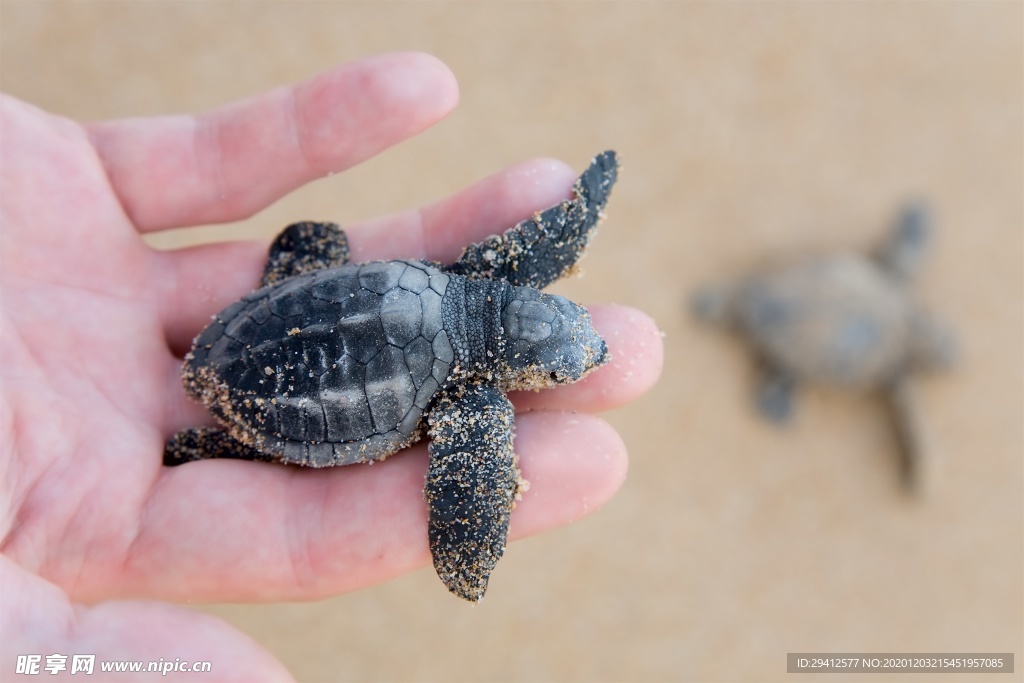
x=94 y=323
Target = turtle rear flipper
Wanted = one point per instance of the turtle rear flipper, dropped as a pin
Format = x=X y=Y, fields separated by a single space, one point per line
x=471 y=485
x=774 y=393
x=304 y=247
x=208 y=443
x=541 y=249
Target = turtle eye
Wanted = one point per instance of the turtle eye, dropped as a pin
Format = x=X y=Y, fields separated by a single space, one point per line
x=554 y=376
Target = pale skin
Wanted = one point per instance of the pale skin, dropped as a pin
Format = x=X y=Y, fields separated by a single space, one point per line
x=96 y=532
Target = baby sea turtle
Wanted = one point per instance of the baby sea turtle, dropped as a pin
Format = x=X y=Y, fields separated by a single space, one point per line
x=843 y=320
x=331 y=363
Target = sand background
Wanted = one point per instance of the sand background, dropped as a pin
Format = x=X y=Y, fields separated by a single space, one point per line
x=749 y=131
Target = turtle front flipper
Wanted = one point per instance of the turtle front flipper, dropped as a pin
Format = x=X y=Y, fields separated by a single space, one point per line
x=471 y=485
x=304 y=247
x=908 y=433
x=207 y=443
x=541 y=249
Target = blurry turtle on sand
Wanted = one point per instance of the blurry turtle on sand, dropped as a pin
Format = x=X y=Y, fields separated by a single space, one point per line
x=845 y=320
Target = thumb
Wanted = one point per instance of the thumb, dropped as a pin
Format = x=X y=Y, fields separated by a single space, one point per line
x=41 y=626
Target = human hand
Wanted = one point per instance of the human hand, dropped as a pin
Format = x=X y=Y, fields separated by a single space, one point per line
x=94 y=324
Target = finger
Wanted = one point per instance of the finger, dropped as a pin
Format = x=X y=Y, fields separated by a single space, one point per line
x=38 y=617
x=637 y=355
x=227 y=164
x=440 y=231
x=228 y=530
x=203 y=280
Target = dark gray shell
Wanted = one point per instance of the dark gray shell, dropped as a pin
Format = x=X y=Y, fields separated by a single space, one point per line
x=839 y=320
x=332 y=367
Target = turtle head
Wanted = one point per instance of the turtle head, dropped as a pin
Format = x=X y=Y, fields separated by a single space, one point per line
x=550 y=340
x=932 y=343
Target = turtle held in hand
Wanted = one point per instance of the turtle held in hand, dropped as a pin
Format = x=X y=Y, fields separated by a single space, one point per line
x=844 y=320
x=332 y=363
